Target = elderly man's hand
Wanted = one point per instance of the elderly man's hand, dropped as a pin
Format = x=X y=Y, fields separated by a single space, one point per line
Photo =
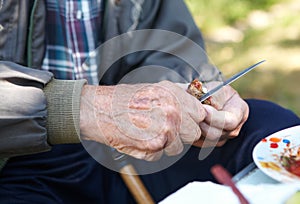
x=141 y=120
x=224 y=119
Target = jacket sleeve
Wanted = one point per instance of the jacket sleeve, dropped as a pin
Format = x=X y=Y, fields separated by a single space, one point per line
x=161 y=36
x=36 y=111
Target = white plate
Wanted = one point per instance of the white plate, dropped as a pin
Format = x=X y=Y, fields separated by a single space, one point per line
x=267 y=152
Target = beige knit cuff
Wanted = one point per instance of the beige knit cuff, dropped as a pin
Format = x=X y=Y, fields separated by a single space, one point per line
x=63 y=105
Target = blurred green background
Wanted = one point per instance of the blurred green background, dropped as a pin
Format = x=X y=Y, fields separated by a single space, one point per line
x=239 y=33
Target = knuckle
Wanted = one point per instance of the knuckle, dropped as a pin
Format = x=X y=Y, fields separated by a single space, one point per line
x=213 y=137
x=166 y=83
x=231 y=125
x=156 y=144
x=231 y=122
x=234 y=133
x=202 y=113
x=197 y=134
x=142 y=156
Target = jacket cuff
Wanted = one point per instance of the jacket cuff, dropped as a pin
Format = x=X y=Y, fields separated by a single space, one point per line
x=63 y=105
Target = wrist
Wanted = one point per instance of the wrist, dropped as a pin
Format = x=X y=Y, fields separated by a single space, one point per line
x=95 y=105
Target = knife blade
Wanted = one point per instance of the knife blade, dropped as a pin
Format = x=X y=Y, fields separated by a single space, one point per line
x=229 y=81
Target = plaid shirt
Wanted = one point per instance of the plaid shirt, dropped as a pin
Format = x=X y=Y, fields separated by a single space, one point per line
x=72 y=32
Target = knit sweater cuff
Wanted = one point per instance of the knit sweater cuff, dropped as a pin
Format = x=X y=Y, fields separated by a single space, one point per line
x=63 y=105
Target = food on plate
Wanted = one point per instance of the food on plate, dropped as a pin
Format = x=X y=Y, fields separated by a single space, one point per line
x=270 y=165
x=291 y=164
x=197 y=89
x=290 y=160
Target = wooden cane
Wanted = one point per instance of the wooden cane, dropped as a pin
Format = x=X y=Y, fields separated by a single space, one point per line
x=135 y=185
x=132 y=179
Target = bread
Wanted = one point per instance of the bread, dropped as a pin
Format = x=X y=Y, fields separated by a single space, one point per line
x=197 y=89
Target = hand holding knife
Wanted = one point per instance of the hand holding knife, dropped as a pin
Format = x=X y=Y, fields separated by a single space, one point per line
x=129 y=174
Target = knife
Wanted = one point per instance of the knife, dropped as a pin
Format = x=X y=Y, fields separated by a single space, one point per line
x=229 y=81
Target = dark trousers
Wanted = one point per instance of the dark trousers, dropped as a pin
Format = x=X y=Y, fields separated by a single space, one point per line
x=68 y=174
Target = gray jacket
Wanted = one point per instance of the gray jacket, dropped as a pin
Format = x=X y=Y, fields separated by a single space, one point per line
x=38 y=111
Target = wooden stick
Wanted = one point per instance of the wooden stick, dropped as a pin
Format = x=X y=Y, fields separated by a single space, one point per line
x=135 y=185
x=132 y=179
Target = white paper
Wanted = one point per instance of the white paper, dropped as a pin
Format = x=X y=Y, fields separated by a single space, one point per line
x=208 y=192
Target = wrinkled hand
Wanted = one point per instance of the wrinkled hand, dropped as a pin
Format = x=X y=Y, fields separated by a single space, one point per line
x=225 y=117
x=141 y=120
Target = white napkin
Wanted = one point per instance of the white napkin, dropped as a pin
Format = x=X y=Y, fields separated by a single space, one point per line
x=208 y=192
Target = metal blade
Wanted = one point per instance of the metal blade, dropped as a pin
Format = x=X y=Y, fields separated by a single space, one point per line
x=229 y=81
